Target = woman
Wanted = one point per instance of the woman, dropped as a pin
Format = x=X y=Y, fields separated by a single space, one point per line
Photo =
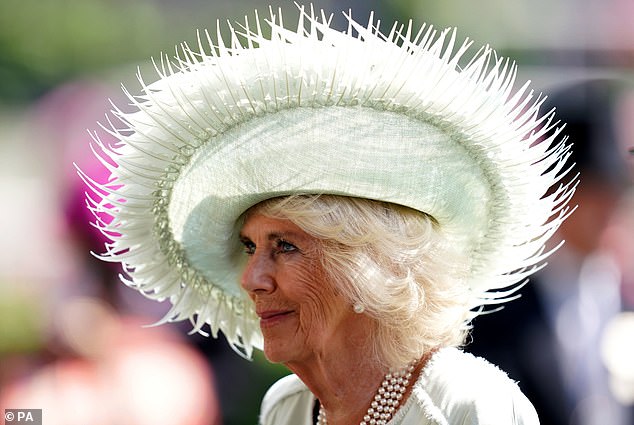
x=346 y=290
x=383 y=192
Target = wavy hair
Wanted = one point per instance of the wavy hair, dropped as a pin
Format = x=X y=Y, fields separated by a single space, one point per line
x=392 y=261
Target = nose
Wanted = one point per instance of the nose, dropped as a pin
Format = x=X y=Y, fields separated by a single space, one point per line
x=258 y=274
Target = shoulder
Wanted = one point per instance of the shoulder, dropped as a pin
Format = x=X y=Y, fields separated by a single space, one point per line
x=287 y=387
x=286 y=401
x=462 y=388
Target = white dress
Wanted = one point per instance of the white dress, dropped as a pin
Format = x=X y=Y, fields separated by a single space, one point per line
x=454 y=388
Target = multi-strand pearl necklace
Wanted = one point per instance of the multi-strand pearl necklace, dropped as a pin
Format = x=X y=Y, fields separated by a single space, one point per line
x=386 y=400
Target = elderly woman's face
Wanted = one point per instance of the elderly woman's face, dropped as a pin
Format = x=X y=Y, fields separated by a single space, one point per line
x=300 y=312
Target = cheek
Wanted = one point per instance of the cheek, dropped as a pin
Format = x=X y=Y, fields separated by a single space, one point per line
x=318 y=299
x=305 y=283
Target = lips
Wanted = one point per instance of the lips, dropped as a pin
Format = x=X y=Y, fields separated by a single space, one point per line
x=270 y=318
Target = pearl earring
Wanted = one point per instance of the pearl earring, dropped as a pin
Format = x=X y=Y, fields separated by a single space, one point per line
x=358 y=308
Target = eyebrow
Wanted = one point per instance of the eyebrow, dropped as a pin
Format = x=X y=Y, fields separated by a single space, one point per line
x=273 y=236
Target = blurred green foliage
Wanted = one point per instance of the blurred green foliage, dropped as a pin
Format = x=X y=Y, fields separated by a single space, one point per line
x=21 y=323
x=44 y=42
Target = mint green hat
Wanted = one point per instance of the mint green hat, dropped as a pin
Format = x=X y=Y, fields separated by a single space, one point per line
x=399 y=117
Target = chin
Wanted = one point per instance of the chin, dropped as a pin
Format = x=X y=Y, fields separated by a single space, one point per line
x=278 y=352
x=275 y=355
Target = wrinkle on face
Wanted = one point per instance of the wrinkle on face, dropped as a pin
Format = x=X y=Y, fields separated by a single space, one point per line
x=284 y=272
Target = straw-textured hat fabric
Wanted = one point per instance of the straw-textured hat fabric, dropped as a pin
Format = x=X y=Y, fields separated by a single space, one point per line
x=401 y=117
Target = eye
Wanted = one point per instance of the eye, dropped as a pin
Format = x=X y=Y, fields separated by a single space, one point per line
x=249 y=247
x=285 y=246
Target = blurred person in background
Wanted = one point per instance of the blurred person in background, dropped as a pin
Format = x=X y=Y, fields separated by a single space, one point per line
x=111 y=371
x=90 y=361
x=552 y=340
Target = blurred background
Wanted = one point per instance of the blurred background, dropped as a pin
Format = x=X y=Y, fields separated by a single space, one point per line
x=72 y=338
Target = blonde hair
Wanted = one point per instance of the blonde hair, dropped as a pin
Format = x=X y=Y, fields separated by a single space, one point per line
x=391 y=260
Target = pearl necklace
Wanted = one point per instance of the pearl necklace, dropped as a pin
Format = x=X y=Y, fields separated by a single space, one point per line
x=386 y=400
